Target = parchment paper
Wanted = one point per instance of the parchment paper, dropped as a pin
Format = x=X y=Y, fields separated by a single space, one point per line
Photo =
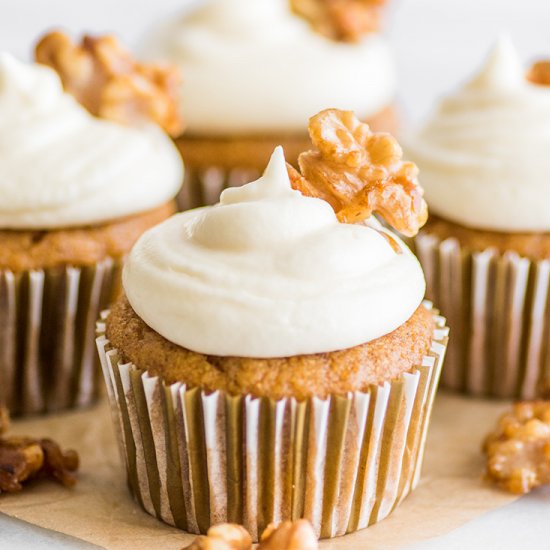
x=99 y=509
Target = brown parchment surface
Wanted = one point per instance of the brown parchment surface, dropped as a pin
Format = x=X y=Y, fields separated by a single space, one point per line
x=100 y=510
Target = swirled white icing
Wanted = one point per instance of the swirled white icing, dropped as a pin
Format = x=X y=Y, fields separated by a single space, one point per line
x=62 y=167
x=252 y=66
x=483 y=156
x=268 y=272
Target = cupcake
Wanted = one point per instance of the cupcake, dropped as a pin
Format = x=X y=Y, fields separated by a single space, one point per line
x=76 y=193
x=254 y=71
x=268 y=362
x=485 y=250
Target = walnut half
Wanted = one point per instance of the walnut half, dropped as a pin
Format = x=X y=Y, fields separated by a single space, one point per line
x=289 y=535
x=343 y=20
x=110 y=84
x=25 y=458
x=225 y=536
x=360 y=173
x=518 y=451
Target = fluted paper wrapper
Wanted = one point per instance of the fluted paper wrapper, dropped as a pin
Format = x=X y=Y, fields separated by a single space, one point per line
x=497 y=306
x=203 y=186
x=48 y=360
x=195 y=459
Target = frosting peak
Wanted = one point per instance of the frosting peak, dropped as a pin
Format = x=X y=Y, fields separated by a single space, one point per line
x=268 y=272
x=274 y=183
x=483 y=154
x=503 y=69
x=237 y=224
x=62 y=167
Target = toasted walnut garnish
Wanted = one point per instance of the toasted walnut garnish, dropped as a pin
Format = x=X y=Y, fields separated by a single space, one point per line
x=344 y=20
x=289 y=535
x=360 y=173
x=518 y=451
x=225 y=536
x=24 y=458
x=539 y=73
x=110 y=84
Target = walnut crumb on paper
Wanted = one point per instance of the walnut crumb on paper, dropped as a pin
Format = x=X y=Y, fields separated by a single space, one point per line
x=518 y=451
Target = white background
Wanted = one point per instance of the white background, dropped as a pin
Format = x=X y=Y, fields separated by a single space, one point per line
x=437 y=43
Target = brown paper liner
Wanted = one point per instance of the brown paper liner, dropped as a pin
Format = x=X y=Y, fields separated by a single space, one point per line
x=47 y=328
x=195 y=459
x=497 y=306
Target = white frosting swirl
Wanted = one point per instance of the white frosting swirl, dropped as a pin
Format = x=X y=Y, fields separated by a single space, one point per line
x=60 y=166
x=252 y=66
x=268 y=272
x=484 y=156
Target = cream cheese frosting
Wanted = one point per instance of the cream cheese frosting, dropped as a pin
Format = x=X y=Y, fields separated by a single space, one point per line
x=268 y=272
x=484 y=153
x=251 y=66
x=62 y=167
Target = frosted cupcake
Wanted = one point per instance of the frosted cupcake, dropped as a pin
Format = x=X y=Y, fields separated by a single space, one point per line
x=269 y=362
x=254 y=71
x=76 y=191
x=485 y=250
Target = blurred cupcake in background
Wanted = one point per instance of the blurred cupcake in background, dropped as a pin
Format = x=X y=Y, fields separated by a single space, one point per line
x=255 y=70
x=484 y=161
x=272 y=360
x=76 y=191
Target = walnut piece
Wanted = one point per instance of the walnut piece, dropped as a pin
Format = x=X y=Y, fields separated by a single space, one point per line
x=343 y=20
x=539 y=73
x=24 y=458
x=518 y=451
x=360 y=173
x=110 y=84
x=225 y=536
x=289 y=535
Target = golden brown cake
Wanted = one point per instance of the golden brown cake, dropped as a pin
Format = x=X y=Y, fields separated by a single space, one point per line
x=34 y=249
x=531 y=245
x=300 y=376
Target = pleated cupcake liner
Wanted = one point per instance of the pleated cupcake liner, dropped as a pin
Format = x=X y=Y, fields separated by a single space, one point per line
x=48 y=360
x=497 y=305
x=203 y=186
x=195 y=458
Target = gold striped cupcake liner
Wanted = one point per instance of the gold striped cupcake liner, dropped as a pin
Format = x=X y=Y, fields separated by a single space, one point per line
x=497 y=305
x=194 y=459
x=48 y=360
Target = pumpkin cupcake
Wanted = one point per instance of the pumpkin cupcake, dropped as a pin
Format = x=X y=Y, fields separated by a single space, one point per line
x=269 y=362
x=485 y=251
x=76 y=193
x=254 y=71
